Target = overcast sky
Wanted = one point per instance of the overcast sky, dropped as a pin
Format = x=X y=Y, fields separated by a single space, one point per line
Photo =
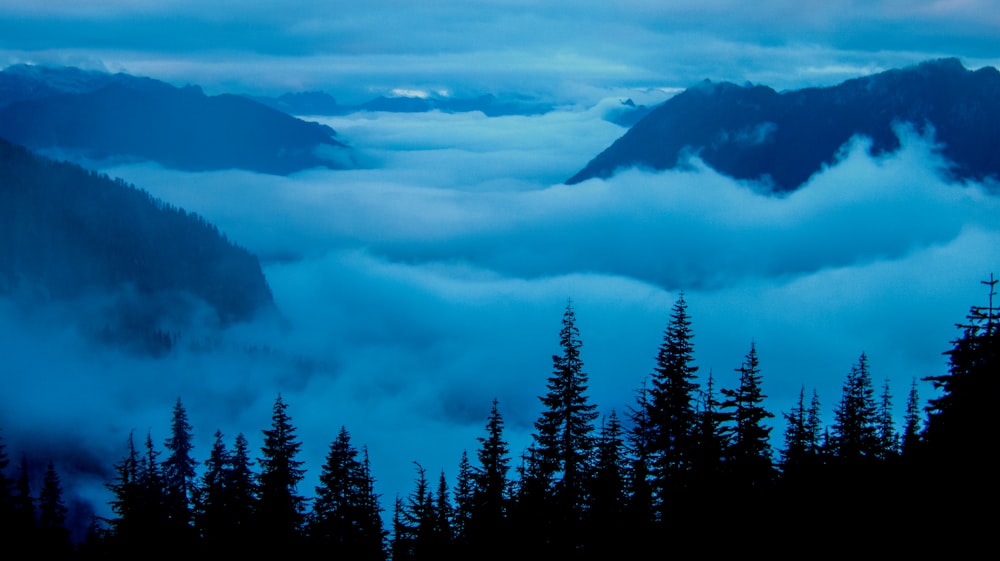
x=417 y=290
x=560 y=49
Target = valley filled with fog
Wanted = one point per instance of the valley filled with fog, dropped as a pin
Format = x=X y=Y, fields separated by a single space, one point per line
x=413 y=291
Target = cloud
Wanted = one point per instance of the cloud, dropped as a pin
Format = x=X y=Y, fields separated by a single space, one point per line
x=551 y=50
x=416 y=292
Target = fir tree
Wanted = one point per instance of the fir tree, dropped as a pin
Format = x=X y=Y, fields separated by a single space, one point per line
x=887 y=440
x=25 y=519
x=671 y=409
x=911 y=422
x=489 y=502
x=564 y=436
x=464 y=495
x=211 y=512
x=54 y=537
x=855 y=426
x=750 y=449
x=179 y=476
x=280 y=507
x=6 y=496
x=608 y=498
x=341 y=521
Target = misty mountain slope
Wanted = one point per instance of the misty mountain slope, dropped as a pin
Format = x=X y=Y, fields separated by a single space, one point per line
x=320 y=103
x=104 y=116
x=69 y=235
x=782 y=139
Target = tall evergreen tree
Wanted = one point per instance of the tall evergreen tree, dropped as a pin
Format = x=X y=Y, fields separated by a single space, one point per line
x=910 y=438
x=608 y=495
x=490 y=496
x=855 y=436
x=887 y=440
x=341 y=519
x=750 y=449
x=242 y=492
x=211 y=512
x=280 y=507
x=179 y=476
x=565 y=434
x=710 y=441
x=672 y=409
x=54 y=537
x=464 y=495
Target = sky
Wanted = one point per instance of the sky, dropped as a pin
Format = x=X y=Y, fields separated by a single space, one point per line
x=416 y=290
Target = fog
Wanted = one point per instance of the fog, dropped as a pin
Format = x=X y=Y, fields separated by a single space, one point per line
x=414 y=291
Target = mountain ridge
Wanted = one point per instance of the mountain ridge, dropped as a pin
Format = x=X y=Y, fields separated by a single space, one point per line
x=107 y=116
x=781 y=139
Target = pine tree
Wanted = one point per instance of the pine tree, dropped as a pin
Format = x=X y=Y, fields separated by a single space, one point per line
x=887 y=439
x=750 y=449
x=242 y=494
x=464 y=495
x=564 y=436
x=342 y=521
x=490 y=494
x=211 y=512
x=855 y=438
x=672 y=409
x=54 y=538
x=280 y=507
x=710 y=441
x=179 y=477
x=607 y=508
x=442 y=533
x=126 y=527
x=911 y=422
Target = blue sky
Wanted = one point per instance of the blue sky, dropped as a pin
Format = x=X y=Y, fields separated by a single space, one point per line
x=417 y=290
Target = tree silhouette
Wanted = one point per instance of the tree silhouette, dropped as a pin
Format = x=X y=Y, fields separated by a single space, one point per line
x=54 y=538
x=671 y=409
x=280 y=508
x=564 y=433
x=750 y=450
x=179 y=477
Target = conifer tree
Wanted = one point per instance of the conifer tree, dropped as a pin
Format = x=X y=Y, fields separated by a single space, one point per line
x=608 y=498
x=442 y=532
x=242 y=494
x=710 y=440
x=464 y=500
x=280 y=507
x=639 y=513
x=796 y=446
x=490 y=495
x=126 y=504
x=750 y=449
x=54 y=538
x=179 y=476
x=672 y=409
x=888 y=440
x=211 y=511
x=564 y=433
x=911 y=422
x=341 y=521
x=855 y=437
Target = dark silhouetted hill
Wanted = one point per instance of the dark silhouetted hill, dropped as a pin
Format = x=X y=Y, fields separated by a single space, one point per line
x=782 y=139
x=68 y=235
x=100 y=116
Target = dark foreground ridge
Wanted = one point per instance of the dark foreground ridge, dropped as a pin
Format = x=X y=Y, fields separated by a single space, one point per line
x=781 y=139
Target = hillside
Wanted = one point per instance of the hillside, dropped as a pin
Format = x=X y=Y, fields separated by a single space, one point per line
x=102 y=116
x=68 y=235
x=781 y=139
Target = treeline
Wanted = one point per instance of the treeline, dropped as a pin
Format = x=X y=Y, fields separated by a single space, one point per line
x=688 y=469
x=68 y=234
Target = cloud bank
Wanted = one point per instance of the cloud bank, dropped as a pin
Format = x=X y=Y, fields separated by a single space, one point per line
x=415 y=292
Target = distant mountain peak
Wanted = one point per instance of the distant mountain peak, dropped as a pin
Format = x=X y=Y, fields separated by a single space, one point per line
x=782 y=139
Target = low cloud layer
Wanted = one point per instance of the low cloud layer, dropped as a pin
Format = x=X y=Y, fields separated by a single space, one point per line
x=415 y=292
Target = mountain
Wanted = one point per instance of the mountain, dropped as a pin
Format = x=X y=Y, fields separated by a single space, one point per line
x=782 y=139
x=137 y=268
x=101 y=116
